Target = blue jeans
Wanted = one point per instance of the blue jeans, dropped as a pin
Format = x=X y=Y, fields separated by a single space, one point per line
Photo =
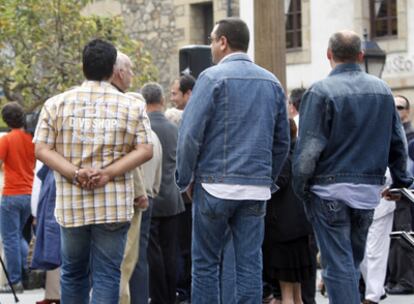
x=14 y=212
x=139 y=282
x=212 y=218
x=228 y=273
x=341 y=233
x=91 y=257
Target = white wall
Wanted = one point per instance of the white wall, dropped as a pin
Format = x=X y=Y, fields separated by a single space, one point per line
x=401 y=63
x=247 y=15
x=326 y=17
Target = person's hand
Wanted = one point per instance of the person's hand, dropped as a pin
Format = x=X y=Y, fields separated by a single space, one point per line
x=390 y=195
x=98 y=179
x=84 y=176
x=141 y=202
x=189 y=191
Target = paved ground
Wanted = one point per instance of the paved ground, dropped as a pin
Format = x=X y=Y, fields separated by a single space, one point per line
x=31 y=296
x=389 y=300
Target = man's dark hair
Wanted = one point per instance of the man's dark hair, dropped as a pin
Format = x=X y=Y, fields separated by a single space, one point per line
x=345 y=47
x=407 y=102
x=236 y=32
x=13 y=115
x=296 y=97
x=152 y=93
x=98 y=58
x=187 y=82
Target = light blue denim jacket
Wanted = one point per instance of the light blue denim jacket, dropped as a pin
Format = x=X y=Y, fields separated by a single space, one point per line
x=234 y=129
x=349 y=132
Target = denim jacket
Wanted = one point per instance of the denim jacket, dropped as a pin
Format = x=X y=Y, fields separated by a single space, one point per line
x=46 y=253
x=234 y=129
x=349 y=132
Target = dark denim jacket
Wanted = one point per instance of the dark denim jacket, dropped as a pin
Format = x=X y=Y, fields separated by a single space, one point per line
x=46 y=253
x=349 y=132
x=234 y=129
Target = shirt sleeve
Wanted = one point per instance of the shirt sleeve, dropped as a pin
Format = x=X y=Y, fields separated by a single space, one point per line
x=158 y=170
x=314 y=119
x=196 y=118
x=45 y=130
x=4 y=146
x=143 y=129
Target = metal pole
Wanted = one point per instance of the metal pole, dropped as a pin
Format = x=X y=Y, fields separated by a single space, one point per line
x=16 y=299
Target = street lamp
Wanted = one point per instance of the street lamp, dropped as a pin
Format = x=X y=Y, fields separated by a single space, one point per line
x=374 y=57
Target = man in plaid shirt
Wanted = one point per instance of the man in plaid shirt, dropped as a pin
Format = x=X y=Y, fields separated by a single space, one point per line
x=92 y=136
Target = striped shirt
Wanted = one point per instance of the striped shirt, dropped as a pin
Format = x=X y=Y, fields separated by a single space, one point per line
x=93 y=125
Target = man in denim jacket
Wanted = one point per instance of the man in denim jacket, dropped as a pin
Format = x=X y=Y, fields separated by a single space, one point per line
x=232 y=143
x=350 y=132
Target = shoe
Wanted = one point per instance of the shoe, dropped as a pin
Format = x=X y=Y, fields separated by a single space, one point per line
x=18 y=288
x=369 y=302
x=399 y=290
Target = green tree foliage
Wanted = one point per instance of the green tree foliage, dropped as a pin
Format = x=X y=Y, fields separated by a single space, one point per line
x=41 y=43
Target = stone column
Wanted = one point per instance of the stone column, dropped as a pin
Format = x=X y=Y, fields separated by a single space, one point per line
x=269 y=37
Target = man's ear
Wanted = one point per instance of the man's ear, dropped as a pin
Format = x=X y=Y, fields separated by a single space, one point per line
x=223 y=43
x=121 y=73
x=361 y=56
x=329 y=54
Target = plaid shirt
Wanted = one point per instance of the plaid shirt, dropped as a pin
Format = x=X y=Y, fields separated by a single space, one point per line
x=93 y=125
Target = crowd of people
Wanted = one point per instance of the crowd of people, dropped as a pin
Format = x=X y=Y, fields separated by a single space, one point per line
x=226 y=198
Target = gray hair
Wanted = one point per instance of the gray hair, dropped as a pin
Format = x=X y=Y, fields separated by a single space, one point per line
x=174 y=115
x=152 y=92
x=121 y=61
x=345 y=46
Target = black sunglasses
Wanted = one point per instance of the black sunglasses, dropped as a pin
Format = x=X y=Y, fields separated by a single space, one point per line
x=399 y=108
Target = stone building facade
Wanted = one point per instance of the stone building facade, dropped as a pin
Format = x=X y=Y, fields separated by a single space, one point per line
x=164 y=26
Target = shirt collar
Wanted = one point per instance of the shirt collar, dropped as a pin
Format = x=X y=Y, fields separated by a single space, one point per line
x=346 y=67
x=94 y=83
x=232 y=55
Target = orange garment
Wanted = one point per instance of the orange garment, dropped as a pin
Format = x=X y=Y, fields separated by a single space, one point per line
x=17 y=154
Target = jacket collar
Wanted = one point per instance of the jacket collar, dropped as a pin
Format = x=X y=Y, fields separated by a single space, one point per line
x=346 y=67
x=156 y=114
x=93 y=83
x=235 y=56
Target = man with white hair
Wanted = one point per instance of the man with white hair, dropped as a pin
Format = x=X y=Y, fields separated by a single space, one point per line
x=147 y=179
x=123 y=73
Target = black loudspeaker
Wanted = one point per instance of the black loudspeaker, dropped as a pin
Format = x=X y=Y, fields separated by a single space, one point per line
x=194 y=59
